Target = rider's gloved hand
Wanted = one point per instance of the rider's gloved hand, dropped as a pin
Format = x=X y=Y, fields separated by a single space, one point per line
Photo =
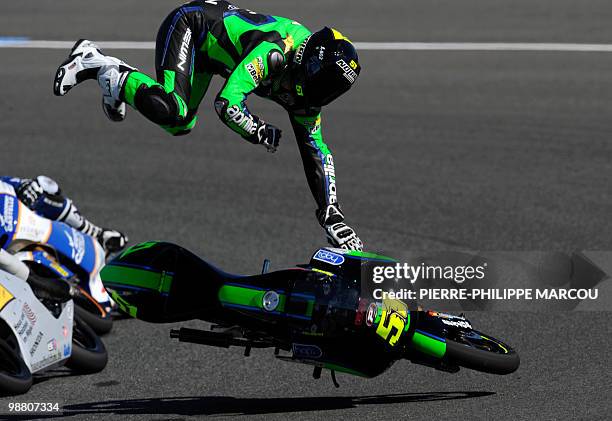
x=269 y=136
x=342 y=236
x=29 y=191
x=112 y=241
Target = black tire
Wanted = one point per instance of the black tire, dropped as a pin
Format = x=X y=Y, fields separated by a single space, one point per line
x=99 y=323
x=481 y=353
x=88 y=352
x=15 y=377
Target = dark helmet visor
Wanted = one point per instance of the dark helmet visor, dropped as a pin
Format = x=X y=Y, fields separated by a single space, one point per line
x=324 y=82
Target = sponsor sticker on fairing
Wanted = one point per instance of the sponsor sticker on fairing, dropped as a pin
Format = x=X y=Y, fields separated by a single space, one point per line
x=329 y=257
x=23 y=327
x=51 y=345
x=29 y=313
x=5 y=297
x=77 y=245
x=59 y=269
x=371 y=314
x=7 y=220
x=46 y=361
x=306 y=351
x=457 y=323
x=36 y=343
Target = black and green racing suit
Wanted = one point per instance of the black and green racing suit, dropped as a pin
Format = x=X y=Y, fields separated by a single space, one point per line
x=251 y=51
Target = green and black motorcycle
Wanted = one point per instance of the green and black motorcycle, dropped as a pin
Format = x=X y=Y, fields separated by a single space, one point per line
x=317 y=313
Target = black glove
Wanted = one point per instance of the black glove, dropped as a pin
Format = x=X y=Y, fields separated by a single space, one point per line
x=269 y=136
x=29 y=191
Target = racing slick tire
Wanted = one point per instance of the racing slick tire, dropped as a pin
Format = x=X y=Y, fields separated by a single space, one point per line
x=481 y=353
x=15 y=377
x=88 y=352
x=91 y=313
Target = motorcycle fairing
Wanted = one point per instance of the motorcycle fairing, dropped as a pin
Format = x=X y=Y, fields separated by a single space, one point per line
x=44 y=341
x=23 y=226
x=43 y=258
x=9 y=215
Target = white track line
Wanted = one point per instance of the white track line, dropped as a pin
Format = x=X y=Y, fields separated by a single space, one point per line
x=483 y=46
x=371 y=46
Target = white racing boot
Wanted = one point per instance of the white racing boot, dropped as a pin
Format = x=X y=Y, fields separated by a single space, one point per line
x=87 y=62
x=111 y=80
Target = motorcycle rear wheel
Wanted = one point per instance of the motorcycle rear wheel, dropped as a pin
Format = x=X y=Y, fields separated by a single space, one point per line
x=92 y=313
x=88 y=352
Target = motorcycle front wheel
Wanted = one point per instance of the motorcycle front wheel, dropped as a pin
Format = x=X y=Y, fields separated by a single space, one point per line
x=15 y=377
x=481 y=352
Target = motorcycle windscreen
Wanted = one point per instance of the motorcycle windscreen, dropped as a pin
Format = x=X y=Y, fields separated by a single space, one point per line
x=161 y=282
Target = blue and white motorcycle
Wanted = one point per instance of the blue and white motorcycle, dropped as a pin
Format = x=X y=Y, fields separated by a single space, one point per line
x=55 y=249
x=39 y=331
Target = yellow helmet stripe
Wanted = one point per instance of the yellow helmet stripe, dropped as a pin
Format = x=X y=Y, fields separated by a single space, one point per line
x=338 y=35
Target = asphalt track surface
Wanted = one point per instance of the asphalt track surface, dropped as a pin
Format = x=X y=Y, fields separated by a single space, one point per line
x=433 y=149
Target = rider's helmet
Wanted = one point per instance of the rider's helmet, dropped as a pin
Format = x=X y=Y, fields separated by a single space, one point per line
x=324 y=67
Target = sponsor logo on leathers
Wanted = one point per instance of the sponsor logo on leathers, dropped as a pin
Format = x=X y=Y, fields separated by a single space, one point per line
x=243 y=120
x=299 y=54
x=184 y=51
x=330 y=173
x=256 y=70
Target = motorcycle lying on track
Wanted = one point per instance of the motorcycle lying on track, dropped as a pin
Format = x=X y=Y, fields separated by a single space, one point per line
x=317 y=312
x=54 y=249
x=39 y=331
